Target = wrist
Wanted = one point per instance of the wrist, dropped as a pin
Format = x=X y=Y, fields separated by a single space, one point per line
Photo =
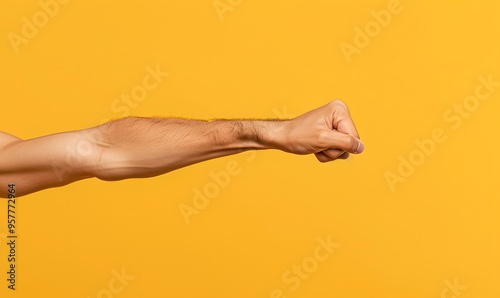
x=266 y=134
x=248 y=134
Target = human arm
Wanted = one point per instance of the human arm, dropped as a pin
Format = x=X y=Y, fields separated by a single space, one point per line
x=137 y=147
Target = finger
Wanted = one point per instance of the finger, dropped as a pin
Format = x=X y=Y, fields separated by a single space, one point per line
x=346 y=142
x=342 y=120
x=344 y=156
x=333 y=153
x=322 y=157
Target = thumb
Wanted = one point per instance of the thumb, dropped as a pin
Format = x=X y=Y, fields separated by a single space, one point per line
x=346 y=142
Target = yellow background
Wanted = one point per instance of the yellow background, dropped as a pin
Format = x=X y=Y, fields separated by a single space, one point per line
x=263 y=59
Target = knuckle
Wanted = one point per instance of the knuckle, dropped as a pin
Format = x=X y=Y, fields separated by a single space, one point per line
x=340 y=108
x=338 y=103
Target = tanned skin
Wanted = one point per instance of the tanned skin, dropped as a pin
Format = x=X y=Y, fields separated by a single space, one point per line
x=139 y=147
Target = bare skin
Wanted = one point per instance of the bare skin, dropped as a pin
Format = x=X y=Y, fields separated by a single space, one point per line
x=137 y=147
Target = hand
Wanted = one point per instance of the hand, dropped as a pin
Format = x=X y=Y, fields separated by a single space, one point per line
x=327 y=131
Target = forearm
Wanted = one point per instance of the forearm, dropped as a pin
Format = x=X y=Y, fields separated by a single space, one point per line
x=136 y=147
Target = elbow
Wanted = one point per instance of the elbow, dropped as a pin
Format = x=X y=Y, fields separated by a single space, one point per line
x=112 y=167
x=118 y=157
x=116 y=165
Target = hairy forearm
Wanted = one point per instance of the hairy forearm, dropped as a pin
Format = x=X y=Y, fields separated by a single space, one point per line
x=136 y=147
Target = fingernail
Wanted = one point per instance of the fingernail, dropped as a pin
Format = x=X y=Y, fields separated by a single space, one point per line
x=361 y=147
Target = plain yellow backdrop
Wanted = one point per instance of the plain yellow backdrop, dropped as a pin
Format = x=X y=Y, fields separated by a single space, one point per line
x=434 y=233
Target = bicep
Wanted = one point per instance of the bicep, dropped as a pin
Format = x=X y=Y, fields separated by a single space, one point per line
x=5 y=140
x=47 y=161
